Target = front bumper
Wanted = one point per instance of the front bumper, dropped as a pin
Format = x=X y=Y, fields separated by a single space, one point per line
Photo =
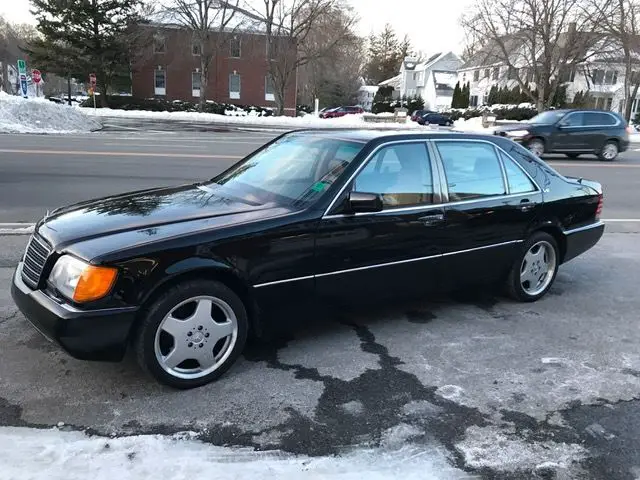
x=581 y=239
x=84 y=334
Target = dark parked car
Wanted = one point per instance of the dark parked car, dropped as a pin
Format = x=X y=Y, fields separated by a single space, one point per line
x=572 y=132
x=183 y=274
x=435 y=119
x=341 y=112
x=419 y=113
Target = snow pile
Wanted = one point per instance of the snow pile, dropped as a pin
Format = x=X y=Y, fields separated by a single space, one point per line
x=38 y=115
x=307 y=121
x=27 y=454
x=473 y=125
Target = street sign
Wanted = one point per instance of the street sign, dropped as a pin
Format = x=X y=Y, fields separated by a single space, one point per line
x=92 y=79
x=23 y=85
x=22 y=67
x=36 y=76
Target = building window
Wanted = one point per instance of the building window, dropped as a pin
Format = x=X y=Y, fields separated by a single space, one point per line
x=476 y=75
x=473 y=101
x=568 y=75
x=159 y=44
x=610 y=77
x=487 y=73
x=269 y=93
x=196 y=84
x=234 y=86
x=496 y=73
x=195 y=48
x=598 y=77
x=235 y=47
x=160 y=81
x=609 y=104
x=512 y=73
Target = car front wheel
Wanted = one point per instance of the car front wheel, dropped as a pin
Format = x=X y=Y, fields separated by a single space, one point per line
x=192 y=334
x=536 y=146
x=535 y=268
x=609 y=151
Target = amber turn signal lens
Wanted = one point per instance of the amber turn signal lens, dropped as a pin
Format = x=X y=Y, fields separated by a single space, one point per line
x=94 y=283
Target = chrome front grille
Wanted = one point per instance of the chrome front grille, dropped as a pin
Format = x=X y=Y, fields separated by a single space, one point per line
x=35 y=258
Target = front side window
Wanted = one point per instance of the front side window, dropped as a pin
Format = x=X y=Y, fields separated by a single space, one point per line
x=160 y=82
x=472 y=170
x=574 y=120
x=294 y=170
x=400 y=173
x=518 y=181
x=234 y=86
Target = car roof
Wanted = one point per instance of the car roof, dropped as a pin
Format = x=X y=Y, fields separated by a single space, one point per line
x=365 y=135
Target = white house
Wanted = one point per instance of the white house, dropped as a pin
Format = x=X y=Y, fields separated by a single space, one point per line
x=366 y=93
x=432 y=79
x=601 y=78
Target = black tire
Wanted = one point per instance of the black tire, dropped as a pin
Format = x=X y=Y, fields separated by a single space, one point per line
x=156 y=312
x=609 y=151
x=514 y=287
x=536 y=146
x=573 y=156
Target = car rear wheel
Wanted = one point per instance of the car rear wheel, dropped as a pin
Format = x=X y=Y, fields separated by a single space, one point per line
x=536 y=146
x=535 y=269
x=609 y=151
x=192 y=334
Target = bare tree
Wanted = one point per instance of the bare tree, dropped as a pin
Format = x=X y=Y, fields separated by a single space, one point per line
x=212 y=23
x=287 y=26
x=537 y=40
x=618 y=20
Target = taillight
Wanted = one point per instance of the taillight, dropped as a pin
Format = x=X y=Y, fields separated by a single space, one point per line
x=599 y=207
x=630 y=129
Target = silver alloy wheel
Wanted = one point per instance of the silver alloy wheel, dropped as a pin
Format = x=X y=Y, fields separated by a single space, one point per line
x=538 y=267
x=198 y=338
x=610 y=151
x=536 y=147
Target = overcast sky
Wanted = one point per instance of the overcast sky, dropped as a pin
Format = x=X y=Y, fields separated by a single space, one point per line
x=432 y=25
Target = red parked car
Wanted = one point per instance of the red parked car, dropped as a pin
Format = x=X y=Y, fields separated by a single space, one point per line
x=341 y=112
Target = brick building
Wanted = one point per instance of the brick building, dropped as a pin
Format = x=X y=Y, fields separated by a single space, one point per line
x=170 y=68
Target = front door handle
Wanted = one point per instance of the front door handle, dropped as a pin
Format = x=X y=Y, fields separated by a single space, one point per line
x=526 y=205
x=432 y=219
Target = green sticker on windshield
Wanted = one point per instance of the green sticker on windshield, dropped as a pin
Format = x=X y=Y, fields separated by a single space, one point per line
x=319 y=186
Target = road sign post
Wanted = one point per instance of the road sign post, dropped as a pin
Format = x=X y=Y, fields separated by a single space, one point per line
x=36 y=76
x=93 y=82
x=22 y=74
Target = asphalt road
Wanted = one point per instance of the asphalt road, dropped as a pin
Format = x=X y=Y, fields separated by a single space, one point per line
x=43 y=172
x=505 y=390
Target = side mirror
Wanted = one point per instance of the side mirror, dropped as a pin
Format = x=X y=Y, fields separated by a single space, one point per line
x=360 y=202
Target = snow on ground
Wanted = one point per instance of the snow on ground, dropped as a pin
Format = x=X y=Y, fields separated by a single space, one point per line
x=38 y=115
x=32 y=454
x=307 y=121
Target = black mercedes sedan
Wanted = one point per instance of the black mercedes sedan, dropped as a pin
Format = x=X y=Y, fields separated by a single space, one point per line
x=182 y=275
x=572 y=132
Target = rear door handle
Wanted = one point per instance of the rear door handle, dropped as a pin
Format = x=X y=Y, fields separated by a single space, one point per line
x=432 y=219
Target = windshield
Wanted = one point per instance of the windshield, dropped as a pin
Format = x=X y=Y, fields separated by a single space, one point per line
x=548 y=118
x=295 y=170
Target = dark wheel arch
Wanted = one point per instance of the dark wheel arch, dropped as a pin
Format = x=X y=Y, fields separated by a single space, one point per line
x=558 y=235
x=223 y=276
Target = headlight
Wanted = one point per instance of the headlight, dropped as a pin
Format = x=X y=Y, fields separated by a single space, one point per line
x=80 y=281
x=517 y=133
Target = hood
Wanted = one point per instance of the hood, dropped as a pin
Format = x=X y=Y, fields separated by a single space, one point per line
x=148 y=210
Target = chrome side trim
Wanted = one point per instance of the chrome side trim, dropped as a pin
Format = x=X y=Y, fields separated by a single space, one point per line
x=399 y=262
x=288 y=280
x=369 y=267
x=598 y=224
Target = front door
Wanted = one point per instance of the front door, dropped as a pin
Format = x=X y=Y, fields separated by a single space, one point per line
x=491 y=204
x=570 y=134
x=391 y=252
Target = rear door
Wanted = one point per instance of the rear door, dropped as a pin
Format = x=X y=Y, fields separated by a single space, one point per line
x=491 y=203
x=598 y=126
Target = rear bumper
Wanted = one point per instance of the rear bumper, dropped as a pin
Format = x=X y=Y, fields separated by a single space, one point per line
x=84 y=334
x=623 y=145
x=581 y=239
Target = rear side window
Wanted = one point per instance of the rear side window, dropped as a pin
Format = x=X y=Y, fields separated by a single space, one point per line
x=599 y=119
x=518 y=181
x=472 y=170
